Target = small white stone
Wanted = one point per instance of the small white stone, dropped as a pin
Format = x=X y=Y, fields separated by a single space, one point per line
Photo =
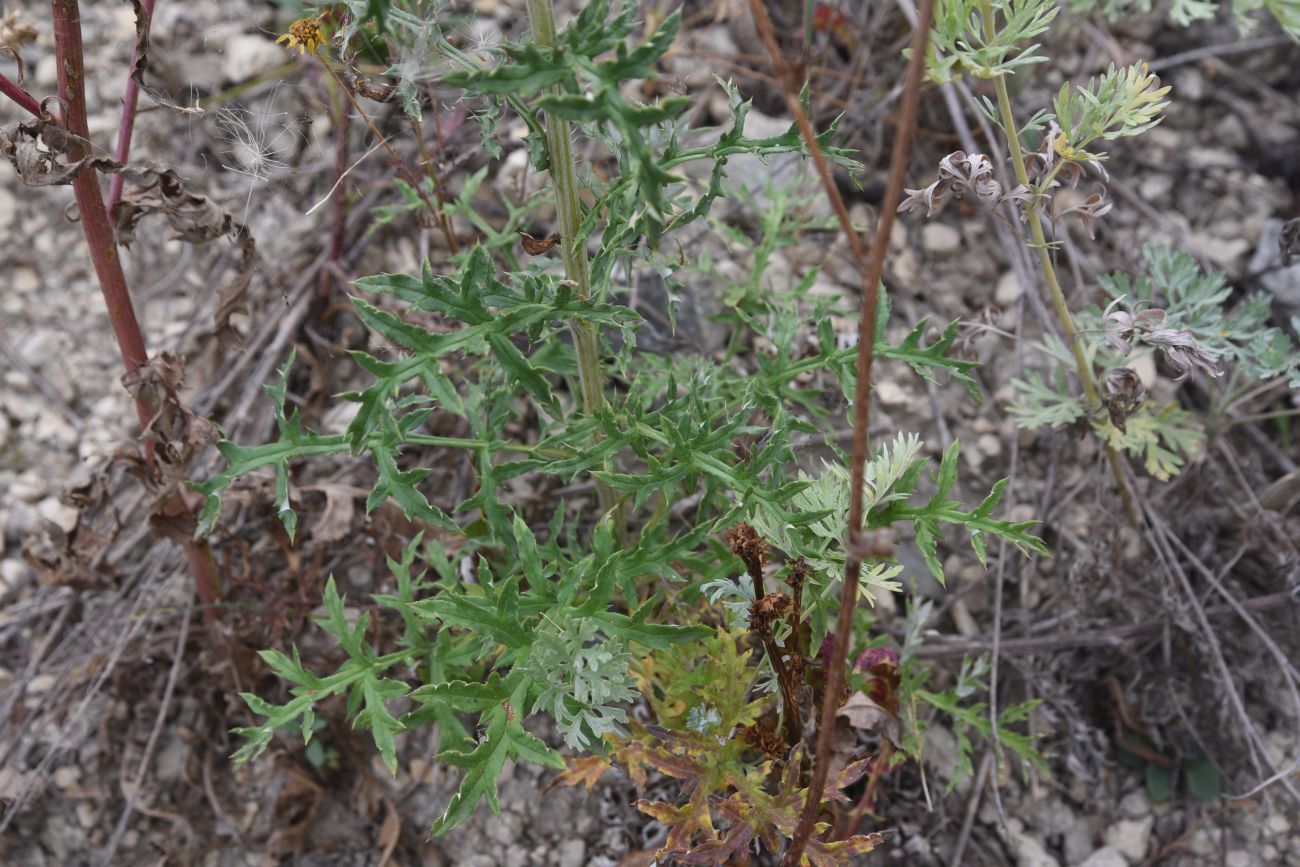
x=940 y=238
x=41 y=684
x=11 y=571
x=52 y=428
x=1135 y=805
x=58 y=513
x=890 y=394
x=1007 y=292
x=1107 y=856
x=1029 y=852
x=67 y=776
x=249 y=55
x=8 y=208
x=1155 y=187
x=1207 y=157
x=1131 y=837
x=1239 y=858
x=989 y=445
x=572 y=853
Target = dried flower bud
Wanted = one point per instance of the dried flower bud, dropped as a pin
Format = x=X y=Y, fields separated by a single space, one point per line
x=1121 y=326
x=1182 y=351
x=1093 y=208
x=1122 y=392
x=746 y=544
x=932 y=197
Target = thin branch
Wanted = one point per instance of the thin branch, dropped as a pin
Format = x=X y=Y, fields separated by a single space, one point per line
x=872 y=264
x=20 y=97
x=130 y=100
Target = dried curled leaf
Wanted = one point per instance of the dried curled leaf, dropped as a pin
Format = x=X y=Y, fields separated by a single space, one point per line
x=197 y=219
x=537 y=246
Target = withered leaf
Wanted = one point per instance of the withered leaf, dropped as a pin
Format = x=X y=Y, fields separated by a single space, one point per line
x=536 y=247
x=866 y=715
x=583 y=771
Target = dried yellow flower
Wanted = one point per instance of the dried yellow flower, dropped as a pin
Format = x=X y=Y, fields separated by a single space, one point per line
x=305 y=34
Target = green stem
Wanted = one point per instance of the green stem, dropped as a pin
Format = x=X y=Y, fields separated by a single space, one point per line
x=1039 y=238
x=564 y=180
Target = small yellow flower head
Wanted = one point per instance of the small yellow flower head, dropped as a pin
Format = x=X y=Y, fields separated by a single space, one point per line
x=304 y=34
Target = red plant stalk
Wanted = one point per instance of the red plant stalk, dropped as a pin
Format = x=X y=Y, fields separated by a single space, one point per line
x=103 y=253
x=22 y=98
x=872 y=265
x=130 y=99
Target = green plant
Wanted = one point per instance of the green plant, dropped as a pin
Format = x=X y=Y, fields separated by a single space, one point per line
x=575 y=619
x=1173 y=310
x=1185 y=12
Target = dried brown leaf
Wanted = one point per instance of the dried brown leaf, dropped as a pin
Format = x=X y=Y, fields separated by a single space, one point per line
x=537 y=246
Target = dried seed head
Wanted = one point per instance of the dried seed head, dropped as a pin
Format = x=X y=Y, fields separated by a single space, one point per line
x=766 y=611
x=1122 y=392
x=1182 y=351
x=1121 y=326
x=1093 y=208
x=960 y=174
x=746 y=544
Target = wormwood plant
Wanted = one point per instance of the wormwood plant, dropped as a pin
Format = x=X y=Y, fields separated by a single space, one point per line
x=667 y=595
x=1174 y=310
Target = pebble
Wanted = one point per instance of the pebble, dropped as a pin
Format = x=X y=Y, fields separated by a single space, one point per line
x=1107 y=856
x=1078 y=841
x=1154 y=187
x=1135 y=805
x=1239 y=858
x=53 y=429
x=989 y=446
x=5 y=428
x=248 y=55
x=890 y=393
x=8 y=208
x=1206 y=158
x=1222 y=252
x=940 y=238
x=572 y=853
x=67 y=776
x=40 y=347
x=1007 y=292
x=11 y=571
x=58 y=513
x=1131 y=837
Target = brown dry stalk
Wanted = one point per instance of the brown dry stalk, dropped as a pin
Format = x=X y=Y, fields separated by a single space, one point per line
x=102 y=245
x=872 y=264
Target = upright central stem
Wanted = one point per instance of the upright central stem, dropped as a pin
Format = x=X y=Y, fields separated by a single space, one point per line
x=1039 y=238
x=564 y=180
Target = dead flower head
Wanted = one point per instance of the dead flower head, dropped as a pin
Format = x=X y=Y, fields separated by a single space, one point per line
x=1182 y=351
x=1092 y=208
x=1122 y=327
x=960 y=174
x=305 y=34
x=1179 y=345
x=1122 y=392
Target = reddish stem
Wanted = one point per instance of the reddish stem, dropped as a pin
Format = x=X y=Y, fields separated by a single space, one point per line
x=22 y=98
x=130 y=99
x=872 y=265
x=90 y=201
x=103 y=254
